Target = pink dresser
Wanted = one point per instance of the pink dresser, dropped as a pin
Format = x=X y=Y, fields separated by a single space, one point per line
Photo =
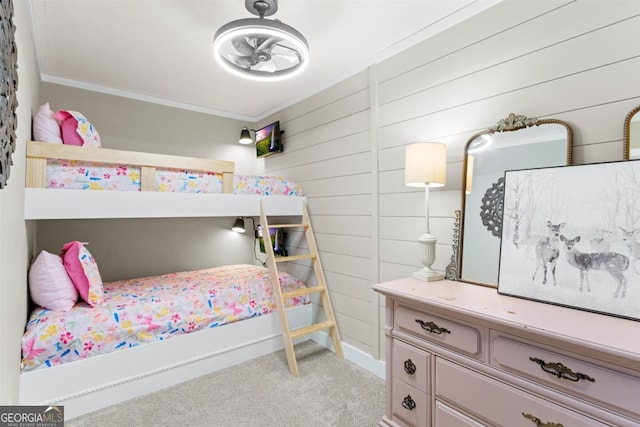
x=463 y=355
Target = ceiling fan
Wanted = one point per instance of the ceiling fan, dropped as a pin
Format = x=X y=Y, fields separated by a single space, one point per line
x=260 y=48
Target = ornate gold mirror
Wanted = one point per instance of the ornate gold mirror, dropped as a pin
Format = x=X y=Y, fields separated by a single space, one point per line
x=632 y=135
x=517 y=142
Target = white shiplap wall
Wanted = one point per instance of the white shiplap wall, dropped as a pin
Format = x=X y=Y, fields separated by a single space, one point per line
x=577 y=61
x=328 y=151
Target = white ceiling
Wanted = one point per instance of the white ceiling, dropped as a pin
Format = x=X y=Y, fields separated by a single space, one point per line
x=161 y=50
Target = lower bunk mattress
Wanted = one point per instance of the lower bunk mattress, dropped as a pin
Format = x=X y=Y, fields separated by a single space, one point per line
x=139 y=311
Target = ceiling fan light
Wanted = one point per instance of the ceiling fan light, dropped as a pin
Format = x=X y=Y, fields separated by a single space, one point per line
x=289 y=38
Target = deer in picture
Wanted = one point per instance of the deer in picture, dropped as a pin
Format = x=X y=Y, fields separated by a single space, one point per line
x=630 y=239
x=548 y=251
x=612 y=262
x=602 y=241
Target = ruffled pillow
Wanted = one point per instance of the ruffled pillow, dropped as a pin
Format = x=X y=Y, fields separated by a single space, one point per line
x=83 y=271
x=49 y=284
x=77 y=130
x=45 y=126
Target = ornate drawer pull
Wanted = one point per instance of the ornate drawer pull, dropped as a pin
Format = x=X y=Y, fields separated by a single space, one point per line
x=408 y=403
x=559 y=370
x=432 y=327
x=409 y=367
x=539 y=422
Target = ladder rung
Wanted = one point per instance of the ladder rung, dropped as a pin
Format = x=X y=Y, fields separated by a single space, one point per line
x=302 y=291
x=311 y=329
x=294 y=257
x=304 y=225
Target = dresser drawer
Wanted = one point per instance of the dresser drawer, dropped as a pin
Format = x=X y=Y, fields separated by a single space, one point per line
x=570 y=374
x=409 y=404
x=463 y=338
x=446 y=416
x=494 y=400
x=411 y=365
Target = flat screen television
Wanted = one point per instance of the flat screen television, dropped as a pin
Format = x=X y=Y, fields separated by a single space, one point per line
x=277 y=240
x=269 y=140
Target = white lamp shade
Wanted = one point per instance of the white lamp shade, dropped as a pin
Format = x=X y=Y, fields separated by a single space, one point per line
x=425 y=164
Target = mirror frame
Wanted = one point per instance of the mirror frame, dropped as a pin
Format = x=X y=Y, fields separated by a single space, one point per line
x=513 y=122
x=626 y=149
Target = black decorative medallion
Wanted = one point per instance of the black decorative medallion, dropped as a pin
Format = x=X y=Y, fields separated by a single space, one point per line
x=492 y=207
x=8 y=100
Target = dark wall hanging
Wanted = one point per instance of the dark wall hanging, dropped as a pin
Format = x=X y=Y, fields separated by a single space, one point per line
x=8 y=100
x=492 y=206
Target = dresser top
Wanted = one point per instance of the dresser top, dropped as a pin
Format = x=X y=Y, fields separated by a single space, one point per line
x=613 y=335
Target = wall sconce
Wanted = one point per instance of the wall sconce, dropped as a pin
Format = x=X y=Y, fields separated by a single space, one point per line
x=245 y=136
x=239 y=227
x=426 y=166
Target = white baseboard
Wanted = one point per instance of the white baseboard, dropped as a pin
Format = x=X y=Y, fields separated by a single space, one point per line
x=354 y=355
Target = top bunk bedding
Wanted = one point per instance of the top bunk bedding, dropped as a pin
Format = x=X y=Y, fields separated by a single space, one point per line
x=75 y=175
x=144 y=185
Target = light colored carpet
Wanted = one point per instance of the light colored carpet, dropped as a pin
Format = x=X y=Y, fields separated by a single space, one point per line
x=261 y=392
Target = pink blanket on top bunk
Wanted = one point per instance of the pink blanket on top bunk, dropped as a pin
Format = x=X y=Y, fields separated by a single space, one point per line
x=139 y=311
x=70 y=174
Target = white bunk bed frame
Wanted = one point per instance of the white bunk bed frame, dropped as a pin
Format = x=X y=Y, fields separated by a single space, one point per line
x=87 y=385
x=47 y=203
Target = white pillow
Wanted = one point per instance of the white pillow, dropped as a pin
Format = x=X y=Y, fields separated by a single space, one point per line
x=45 y=126
x=50 y=285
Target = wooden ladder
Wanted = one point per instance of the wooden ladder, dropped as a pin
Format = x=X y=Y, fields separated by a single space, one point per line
x=280 y=296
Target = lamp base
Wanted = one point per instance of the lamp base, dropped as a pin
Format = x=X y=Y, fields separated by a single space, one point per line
x=427 y=275
x=427 y=255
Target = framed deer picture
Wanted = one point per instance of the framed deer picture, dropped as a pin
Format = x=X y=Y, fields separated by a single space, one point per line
x=571 y=236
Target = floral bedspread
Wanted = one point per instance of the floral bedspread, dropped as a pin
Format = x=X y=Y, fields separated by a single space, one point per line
x=71 y=174
x=139 y=311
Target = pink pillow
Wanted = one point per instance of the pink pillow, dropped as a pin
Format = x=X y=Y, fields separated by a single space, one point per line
x=77 y=130
x=45 y=126
x=49 y=283
x=83 y=271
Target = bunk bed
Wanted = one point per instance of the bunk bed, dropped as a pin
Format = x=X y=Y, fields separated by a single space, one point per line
x=44 y=202
x=91 y=383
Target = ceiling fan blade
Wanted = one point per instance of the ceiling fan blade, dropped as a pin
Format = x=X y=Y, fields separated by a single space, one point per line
x=283 y=62
x=241 y=61
x=286 y=59
x=285 y=52
x=266 y=43
x=267 y=66
x=242 y=45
